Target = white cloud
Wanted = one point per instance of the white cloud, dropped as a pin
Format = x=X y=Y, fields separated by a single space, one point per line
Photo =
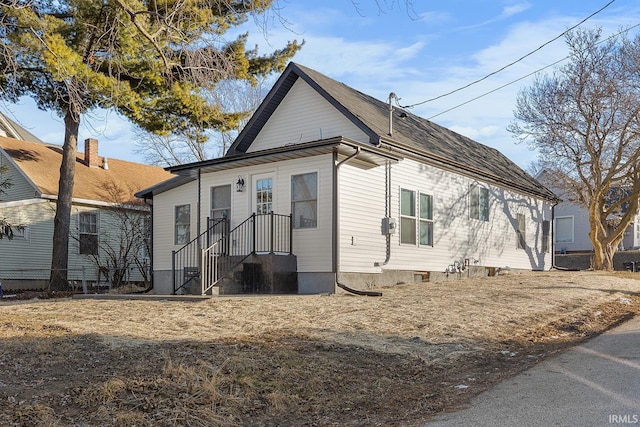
x=514 y=9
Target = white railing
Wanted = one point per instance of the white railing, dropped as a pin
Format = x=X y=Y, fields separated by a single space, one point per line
x=210 y=267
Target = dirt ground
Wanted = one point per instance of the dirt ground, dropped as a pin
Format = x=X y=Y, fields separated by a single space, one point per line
x=338 y=360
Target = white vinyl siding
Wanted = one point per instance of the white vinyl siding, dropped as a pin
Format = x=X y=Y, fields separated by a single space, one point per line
x=164 y=219
x=311 y=245
x=521 y=232
x=304 y=116
x=455 y=236
x=362 y=207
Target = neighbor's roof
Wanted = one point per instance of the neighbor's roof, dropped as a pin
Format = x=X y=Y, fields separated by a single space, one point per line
x=431 y=142
x=14 y=130
x=40 y=164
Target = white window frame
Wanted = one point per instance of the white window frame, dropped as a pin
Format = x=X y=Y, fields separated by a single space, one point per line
x=177 y=240
x=95 y=233
x=215 y=209
x=479 y=211
x=264 y=195
x=425 y=221
x=406 y=218
x=312 y=222
x=555 y=229
x=415 y=219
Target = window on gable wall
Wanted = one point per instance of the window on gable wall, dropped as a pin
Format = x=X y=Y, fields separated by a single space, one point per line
x=478 y=202
x=409 y=205
x=182 y=224
x=521 y=232
x=88 y=227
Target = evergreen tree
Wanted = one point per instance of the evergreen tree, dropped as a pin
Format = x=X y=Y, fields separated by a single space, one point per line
x=150 y=60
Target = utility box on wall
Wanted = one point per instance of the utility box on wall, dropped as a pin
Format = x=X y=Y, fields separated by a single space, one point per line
x=388 y=226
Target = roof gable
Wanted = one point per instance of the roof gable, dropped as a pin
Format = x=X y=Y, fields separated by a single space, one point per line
x=11 y=129
x=430 y=142
x=40 y=164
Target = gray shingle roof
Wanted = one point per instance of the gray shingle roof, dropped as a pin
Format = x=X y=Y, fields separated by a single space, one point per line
x=14 y=130
x=431 y=142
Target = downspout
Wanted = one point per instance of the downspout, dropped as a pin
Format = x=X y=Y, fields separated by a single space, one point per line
x=336 y=227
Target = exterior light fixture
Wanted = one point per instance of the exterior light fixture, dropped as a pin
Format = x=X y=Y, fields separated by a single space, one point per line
x=240 y=184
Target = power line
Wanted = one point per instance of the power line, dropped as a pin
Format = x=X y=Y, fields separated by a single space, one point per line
x=514 y=62
x=524 y=77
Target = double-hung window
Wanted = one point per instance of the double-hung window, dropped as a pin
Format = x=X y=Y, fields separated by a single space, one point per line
x=478 y=202
x=221 y=202
x=426 y=220
x=304 y=200
x=416 y=218
x=182 y=224
x=88 y=233
x=407 y=217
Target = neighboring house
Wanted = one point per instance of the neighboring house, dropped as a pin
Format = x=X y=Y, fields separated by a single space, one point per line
x=102 y=198
x=571 y=223
x=374 y=196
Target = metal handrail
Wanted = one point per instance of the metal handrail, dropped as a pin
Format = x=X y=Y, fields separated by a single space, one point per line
x=259 y=233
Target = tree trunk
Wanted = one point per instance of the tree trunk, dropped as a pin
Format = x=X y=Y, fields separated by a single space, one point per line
x=602 y=253
x=62 y=220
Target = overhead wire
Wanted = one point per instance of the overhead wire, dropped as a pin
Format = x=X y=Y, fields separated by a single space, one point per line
x=513 y=62
x=524 y=77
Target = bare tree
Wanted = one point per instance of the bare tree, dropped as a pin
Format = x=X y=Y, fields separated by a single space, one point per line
x=123 y=244
x=584 y=120
x=168 y=150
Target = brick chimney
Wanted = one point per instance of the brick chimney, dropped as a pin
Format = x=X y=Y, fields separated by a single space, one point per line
x=91 y=158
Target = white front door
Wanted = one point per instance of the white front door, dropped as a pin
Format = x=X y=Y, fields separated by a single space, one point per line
x=262 y=193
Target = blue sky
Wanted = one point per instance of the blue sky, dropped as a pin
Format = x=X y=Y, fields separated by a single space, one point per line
x=420 y=53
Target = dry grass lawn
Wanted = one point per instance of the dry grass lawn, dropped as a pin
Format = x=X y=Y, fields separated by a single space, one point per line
x=293 y=360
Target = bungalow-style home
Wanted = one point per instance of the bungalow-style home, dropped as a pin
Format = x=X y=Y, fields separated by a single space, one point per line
x=327 y=186
x=105 y=214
